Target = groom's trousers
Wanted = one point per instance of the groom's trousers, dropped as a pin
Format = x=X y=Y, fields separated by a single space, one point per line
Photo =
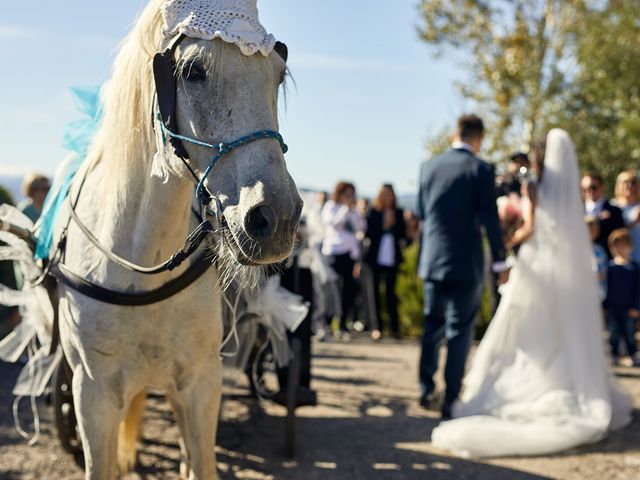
x=450 y=309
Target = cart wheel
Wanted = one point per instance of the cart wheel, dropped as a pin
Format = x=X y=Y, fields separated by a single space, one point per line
x=264 y=373
x=293 y=382
x=63 y=409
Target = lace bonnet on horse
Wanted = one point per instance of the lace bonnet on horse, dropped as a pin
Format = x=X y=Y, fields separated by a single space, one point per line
x=233 y=21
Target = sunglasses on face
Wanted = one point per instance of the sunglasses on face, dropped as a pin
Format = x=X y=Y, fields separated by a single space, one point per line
x=591 y=188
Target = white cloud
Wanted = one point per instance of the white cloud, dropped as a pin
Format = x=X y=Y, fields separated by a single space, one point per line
x=16 y=32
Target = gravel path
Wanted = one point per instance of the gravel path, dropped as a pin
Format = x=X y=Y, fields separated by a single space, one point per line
x=368 y=425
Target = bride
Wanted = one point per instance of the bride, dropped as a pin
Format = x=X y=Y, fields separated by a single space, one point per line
x=539 y=382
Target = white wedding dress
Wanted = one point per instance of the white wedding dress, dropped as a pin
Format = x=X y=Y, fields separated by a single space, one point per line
x=540 y=381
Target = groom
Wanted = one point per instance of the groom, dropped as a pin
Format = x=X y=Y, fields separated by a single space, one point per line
x=457 y=196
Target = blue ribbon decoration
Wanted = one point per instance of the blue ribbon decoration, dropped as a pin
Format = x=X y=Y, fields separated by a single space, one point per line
x=78 y=136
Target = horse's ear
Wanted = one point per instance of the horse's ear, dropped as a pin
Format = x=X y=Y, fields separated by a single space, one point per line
x=282 y=50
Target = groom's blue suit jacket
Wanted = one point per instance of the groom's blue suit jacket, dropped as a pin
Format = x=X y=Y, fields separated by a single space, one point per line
x=457 y=196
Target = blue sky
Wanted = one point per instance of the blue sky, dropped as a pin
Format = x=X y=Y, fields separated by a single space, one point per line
x=367 y=92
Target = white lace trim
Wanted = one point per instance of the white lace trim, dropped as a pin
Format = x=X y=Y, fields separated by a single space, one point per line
x=233 y=21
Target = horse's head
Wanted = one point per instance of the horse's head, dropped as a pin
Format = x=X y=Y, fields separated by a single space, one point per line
x=222 y=96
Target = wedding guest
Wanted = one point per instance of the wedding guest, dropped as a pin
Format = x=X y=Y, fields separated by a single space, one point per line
x=364 y=309
x=321 y=198
x=510 y=182
x=623 y=296
x=386 y=232
x=413 y=226
x=35 y=188
x=363 y=207
x=343 y=223
x=600 y=258
x=597 y=205
x=628 y=200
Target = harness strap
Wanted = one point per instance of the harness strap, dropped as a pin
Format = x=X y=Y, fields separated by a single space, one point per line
x=52 y=291
x=191 y=245
x=64 y=274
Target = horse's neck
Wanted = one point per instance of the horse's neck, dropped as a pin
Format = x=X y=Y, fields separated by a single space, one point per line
x=147 y=227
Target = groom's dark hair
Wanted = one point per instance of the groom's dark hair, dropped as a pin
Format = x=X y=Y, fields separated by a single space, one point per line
x=470 y=127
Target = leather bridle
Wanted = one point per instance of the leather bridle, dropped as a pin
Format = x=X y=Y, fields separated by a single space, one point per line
x=164 y=68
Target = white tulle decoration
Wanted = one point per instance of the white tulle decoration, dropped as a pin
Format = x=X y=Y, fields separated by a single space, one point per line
x=279 y=311
x=32 y=336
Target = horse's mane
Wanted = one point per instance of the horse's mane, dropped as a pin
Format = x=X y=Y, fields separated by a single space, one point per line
x=127 y=99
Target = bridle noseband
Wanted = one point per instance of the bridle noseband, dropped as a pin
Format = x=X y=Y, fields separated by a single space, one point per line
x=164 y=72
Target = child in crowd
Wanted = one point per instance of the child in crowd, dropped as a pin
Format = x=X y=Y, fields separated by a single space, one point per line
x=623 y=295
x=600 y=258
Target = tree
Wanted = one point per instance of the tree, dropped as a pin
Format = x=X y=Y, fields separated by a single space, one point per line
x=437 y=142
x=601 y=107
x=513 y=50
x=535 y=64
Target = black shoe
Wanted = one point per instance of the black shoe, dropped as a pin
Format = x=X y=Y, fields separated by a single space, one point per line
x=446 y=412
x=307 y=397
x=431 y=401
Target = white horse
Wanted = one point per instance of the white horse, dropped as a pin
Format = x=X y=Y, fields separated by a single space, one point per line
x=117 y=352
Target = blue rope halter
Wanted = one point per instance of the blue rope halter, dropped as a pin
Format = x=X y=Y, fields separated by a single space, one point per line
x=223 y=148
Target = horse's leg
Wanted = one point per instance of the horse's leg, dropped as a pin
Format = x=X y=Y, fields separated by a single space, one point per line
x=99 y=417
x=197 y=408
x=178 y=411
x=130 y=433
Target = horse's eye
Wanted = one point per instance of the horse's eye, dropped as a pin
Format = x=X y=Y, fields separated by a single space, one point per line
x=194 y=73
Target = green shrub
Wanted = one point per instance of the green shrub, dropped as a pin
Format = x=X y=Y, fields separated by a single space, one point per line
x=409 y=288
x=485 y=314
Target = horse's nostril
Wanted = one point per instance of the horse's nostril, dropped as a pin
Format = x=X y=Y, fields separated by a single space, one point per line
x=261 y=222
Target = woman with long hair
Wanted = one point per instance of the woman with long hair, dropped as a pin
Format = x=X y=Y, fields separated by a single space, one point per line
x=343 y=223
x=386 y=232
